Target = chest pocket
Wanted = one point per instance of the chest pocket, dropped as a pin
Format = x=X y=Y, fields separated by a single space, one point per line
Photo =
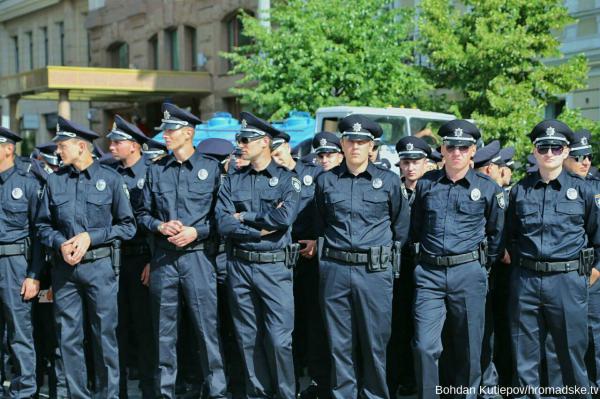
x=269 y=200
x=473 y=208
x=570 y=211
x=16 y=213
x=242 y=200
x=528 y=214
x=336 y=204
x=98 y=212
x=162 y=192
x=307 y=191
x=376 y=203
x=60 y=206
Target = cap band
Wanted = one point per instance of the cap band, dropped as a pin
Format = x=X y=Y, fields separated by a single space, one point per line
x=454 y=138
x=585 y=147
x=414 y=152
x=120 y=133
x=352 y=133
x=251 y=130
x=328 y=147
x=66 y=134
x=550 y=138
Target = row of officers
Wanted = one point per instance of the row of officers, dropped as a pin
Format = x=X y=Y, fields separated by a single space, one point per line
x=277 y=264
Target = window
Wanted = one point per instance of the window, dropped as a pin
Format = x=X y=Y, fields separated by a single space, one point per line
x=118 y=55
x=29 y=36
x=44 y=32
x=190 y=48
x=15 y=40
x=61 y=42
x=235 y=34
x=153 y=52
x=172 y=48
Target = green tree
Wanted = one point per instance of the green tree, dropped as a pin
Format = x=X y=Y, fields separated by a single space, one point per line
x=493 y=55
x=329 y=52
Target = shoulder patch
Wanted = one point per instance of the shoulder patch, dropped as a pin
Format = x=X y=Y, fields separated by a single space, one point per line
x=597 y=200
x=501 y=201
x=296 y=184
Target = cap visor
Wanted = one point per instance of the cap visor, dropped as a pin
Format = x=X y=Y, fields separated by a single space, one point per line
x=550 y=141
x=412 y=156
x=357 y=137
x=459 y=143
x=116 y=137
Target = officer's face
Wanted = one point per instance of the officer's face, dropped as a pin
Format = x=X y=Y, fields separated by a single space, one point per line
x=251 y=149
x=579 y=165
x=356 y=151
x=121 y=149
x=177 y=138
x=413 y=169
x=373 y=154
x=282 y=154
x=457 y=157
x=70 y=150
x=329 y=160
x=550 y=157
x=7 y=151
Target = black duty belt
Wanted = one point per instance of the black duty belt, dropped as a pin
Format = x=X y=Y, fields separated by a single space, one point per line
x=12 y=249
x=96 y=253
x=193 y=246
x=549 y=267
x=346 y=256
x=259 y=257
x=450 y=260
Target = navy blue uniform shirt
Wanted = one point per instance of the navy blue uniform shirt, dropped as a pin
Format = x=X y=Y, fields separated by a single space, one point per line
x=553 y=222
x=454 y=218
x=94 y=200
x=355 y=213
x=303 y=228
x=270 y=200
x=19 y=191
x=183 y=191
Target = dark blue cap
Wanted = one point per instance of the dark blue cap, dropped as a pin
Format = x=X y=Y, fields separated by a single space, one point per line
x=65 y=130
x=487 y=155
x=435 y=156
x=98 y=152
x=7 y=136
x=383 y=163
x=551 y=132
x=326 y=142
x=175 y=118
x=48 y=152
x=411 y=147
x=507 y=154
x=218 y=148
x=581 y=144
x=359 y=127
x=253 y=126
x=531 y=164
x=123 y=130
x=154 y=148
x=278 y=140
x=310 y=158
x=459 y=132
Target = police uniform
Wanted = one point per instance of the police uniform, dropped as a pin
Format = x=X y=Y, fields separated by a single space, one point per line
x=259 y=276
x=450 y=222
x=400 y=365
x=363 y=220
x=94 y=200
x=19 y=259
x=183 y=191
x=549 y=228
x=134 y=312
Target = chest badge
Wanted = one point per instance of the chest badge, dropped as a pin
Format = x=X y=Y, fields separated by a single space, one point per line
x=273 y=181
x=572 y=194
x=17 y=193
x=140 y=183
x=475 y=194
x=307 y=180
x=100 y=185
x=202 y=174
x=377 y=183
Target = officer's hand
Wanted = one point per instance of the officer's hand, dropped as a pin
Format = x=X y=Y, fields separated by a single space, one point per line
x=50 y=295
x=264 y=232
x=81 y=243
x=66 y=250
x=594 y=276
x=309 y=250
x=506 y=258
x=170 y=228
x=145 y=278
x=30 y=288
x=187 y=235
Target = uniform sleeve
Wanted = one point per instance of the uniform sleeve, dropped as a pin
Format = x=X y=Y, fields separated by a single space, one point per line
x=319 y=206
x=416 y=214
x=143 y=214
x=399 y=213
x=123 y=223
x=227 y=224
x=48 y=235
x=282 y=217
x=36 y=263
x=592 y=221
x=510 y=222
x=494 y=225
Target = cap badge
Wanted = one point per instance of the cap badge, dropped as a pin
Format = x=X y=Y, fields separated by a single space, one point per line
x=145 y=147
x=140 y=183
x=244 y=123
x=377 y=183
x=202 y=174
x=572 y=194
x=114 y=126
x=307 y=180
x=550 y=131
x=323 y=142
x=17 y=193
x=167 y=115
x=57 y=127
x=410 y=146
x=100 y=185
x=357 y=127
x=458 y=132
x=584 y=141
x=475 y=194
x=273 y=181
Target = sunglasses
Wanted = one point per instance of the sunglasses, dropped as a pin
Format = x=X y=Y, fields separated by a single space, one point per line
x=543 y=149
x=246 y=140
x=580 y=158
x=461 y=148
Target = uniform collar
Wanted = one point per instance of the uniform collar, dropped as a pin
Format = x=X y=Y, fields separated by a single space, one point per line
x=270 y=170
x=370 y=171
x=4 y=176
x=134 y=170
x=89 y=171
x=468 y=179
x=561 y=180
x=191 y=161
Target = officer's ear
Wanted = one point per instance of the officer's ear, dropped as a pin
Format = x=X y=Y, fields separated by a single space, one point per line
x=8 y=148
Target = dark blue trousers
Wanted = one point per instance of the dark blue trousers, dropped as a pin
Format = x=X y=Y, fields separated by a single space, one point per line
x=592 y=356
x=89 y=287
x=457 y=294
x=543 y=305
x=262 y=307
x=489 y=375
x=17 y=317
x=357 y=307
x=190 y=274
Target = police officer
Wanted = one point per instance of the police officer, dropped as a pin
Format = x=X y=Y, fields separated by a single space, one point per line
x=552 y=226
x=309 y=343
x=328 y=148
x=178 y=204
x=455 y=210
x=413 y=152
x=126 y=142
x=84 y=209
x=20 y=263
x=506 y=168
x=256 y=208
x=363 y=219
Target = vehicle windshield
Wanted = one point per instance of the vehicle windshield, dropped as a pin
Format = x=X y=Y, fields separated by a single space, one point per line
x=427 y=130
